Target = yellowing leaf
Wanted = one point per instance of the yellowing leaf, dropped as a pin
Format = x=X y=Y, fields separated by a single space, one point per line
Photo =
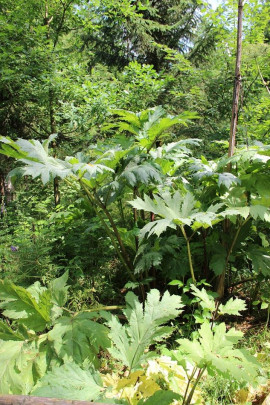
x=242 y=396
x=137 y=386
x=165 y=366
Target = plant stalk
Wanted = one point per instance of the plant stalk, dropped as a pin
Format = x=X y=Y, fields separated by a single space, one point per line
x=188 y=401
x=108 y=231
x=189 y=254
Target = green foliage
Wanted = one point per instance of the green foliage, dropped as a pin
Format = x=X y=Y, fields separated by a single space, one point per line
x=144 y=204
x=164 y=397
x=25 y=355
x=22 y=364
x=214 y=351
x=62 y=362
x=31 y=310
x=144 y=326
x=150 y=125
x=232 y=307
x=78 y=338
x=176 y=210
x=260 y=260
x=70 y=382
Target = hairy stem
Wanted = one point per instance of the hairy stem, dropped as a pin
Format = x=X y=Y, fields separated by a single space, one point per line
x=108 y=231
x=115 y=231
x=188 y=401
x=189 y=254
x=220 y=288
x=188 y=384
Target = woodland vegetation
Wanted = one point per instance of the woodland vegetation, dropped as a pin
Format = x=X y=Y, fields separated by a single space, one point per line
x=135 y=196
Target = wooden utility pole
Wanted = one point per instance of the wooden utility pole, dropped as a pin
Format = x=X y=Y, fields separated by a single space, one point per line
x=237 y=80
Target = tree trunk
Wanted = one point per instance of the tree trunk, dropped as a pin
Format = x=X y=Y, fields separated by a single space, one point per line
x=237 y=80
x=234 y=120
x=47 y=21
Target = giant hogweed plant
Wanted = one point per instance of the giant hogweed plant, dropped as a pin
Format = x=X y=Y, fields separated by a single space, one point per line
x=46 y=350
x=228 y=213
x=106 y=174
x=216 y=221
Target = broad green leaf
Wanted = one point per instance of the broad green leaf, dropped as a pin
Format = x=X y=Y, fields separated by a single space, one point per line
x=214 y=351
x=227 y=179
x=59 y=295
x=11 y=149
x=59 y=290
x=19 y=304
x=175 y=210
x=218 y=261
x=260 y=259
x=70 y=382
x=19 y=362
x=36 y=160
x=157 y=227
x=7 y=333
x=47 y=170
x=144 y=326
x=231 y=212
x=79 y=338
x=232 y=307
x=141 y=174
x=206 y=300
x=128 y=116
x=161 y=397
x=147 y=260
x=259 y=211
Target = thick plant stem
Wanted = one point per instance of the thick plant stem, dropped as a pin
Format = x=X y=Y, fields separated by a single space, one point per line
x=135 y=217
x=108 y=231
x=115 y=230
x=120 y=252
x=188 y=401
x=268 y=317
x=189 y=254
x=120 y=242
x=234 y=119
x=235 y=239
x=188 y=384
x=221 y=280
x=105 y=308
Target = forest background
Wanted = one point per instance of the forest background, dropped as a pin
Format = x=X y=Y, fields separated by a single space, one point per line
x=119 y=115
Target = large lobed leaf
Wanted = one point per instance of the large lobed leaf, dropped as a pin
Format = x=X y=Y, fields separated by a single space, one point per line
x=38 y=163
x=140 y=174
x=21 y=364
x=144 y=326
x=78 y=338
x=70 y=382
x=260 y=259
x=35 y=307
x=175 y=209
x=18 y=303
x=214 y=350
